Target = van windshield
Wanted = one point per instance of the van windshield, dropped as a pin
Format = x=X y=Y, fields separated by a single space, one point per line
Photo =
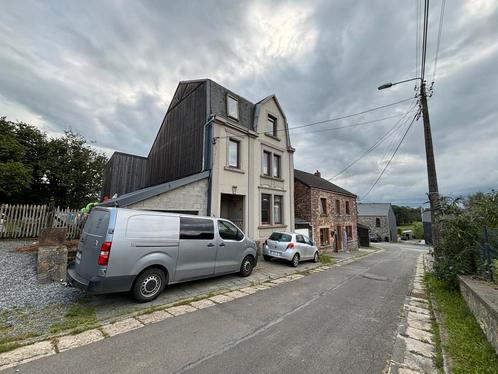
x=97 y=222
x=279 y=237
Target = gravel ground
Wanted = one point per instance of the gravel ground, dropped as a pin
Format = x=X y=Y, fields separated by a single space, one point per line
x=26 y=306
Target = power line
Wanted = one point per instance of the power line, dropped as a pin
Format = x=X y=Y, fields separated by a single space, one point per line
x=424 y=38
x=373 y=146
x=394 y=154
x=441 y=16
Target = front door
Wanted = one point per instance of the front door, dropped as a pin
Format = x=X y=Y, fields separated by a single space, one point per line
x=338 y=238
x=197 y=250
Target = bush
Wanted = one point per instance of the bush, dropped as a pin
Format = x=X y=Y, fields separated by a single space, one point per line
x=418 y=230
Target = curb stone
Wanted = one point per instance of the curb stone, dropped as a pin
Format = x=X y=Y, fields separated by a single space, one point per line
x=65 y=341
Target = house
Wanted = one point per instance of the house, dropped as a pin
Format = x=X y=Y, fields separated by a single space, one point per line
x=326 y=210
x=380 y=219
x=216 y=154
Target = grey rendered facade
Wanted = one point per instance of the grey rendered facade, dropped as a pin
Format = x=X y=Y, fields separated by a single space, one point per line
x=380 y=219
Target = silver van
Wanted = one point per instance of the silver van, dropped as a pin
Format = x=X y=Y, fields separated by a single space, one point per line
x=143 y=251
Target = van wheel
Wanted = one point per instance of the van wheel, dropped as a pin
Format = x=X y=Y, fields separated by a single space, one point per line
x=246 y=266
x=295 y=261
x=149 y=285
x=316 y=257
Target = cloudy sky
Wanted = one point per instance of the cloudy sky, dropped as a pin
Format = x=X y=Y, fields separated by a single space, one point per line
x=108 y=69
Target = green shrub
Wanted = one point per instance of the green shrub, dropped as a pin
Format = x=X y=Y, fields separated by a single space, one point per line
x=418 y=230
x=495 y=271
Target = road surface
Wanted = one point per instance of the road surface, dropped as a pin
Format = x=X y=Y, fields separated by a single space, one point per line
x=338 y=321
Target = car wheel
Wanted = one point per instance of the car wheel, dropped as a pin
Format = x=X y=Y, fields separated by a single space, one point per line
x=295 y=260
x=316 y=257
x=149 y=285
x=266 y=258
x=246 y=266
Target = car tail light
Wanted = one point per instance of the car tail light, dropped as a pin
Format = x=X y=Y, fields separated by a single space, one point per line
x=105 y=251
x=290 y=245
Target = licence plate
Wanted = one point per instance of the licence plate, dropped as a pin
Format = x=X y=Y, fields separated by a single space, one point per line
x=274 y=253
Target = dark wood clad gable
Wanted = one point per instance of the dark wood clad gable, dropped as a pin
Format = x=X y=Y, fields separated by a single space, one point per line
x=178 y=149
x=124 y=173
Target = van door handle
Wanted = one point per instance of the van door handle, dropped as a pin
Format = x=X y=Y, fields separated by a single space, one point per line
x=210 y=245
x=222 y=244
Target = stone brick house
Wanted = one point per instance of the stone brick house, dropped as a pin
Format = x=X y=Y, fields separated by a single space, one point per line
x=328 y=212
x=380 y=219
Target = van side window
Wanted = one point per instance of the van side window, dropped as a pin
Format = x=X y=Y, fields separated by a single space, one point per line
x=196 y=228
x=228 y=231
x=150 y=226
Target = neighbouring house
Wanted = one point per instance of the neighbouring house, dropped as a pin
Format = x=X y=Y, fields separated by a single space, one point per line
x=380 y=219
x=326 y=210
x=216 y=154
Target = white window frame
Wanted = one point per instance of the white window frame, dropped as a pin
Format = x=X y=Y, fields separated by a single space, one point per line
x=233 y=98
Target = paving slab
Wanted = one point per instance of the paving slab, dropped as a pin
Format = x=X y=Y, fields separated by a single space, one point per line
x=417 y=310
x=421 y=335
x=121 y=327
x=157 y=316
x=420 y=324
x=180 y=309
x=249 y=290
x=72 y=341
x=235 y=294
x=418 y=347
x=26 y=354
x=201 y=304
x=219 y=299
x=420 y=363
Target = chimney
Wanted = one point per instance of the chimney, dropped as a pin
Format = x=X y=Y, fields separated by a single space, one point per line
x=317 y=174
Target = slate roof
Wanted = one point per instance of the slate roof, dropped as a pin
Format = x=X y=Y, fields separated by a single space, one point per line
x=311 y=180
x=146 y=193
x=373 y=209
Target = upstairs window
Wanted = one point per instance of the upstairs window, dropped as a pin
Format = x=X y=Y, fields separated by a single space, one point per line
x=232 y=107
x=377 y=222
x=271 y=125
x=347 y=207
x=337 y=207
x=266 y=163
x=276 y=166
x=233 y=153
x=323 y=206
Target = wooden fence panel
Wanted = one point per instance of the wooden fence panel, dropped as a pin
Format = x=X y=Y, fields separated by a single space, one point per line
x=26 y=221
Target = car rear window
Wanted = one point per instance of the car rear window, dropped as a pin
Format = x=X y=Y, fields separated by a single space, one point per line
x=279 y=237
x=97 y=222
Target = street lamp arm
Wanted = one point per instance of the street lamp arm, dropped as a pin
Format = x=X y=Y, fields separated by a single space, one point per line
x=388 y=85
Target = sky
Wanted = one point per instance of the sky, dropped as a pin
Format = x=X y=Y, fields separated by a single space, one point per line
x=108 y=70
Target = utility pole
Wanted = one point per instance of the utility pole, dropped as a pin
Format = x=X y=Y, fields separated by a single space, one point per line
x=431 y=172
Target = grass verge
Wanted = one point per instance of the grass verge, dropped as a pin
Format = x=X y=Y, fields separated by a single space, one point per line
x=325 y=258
x=466 y=344
x=78 y=317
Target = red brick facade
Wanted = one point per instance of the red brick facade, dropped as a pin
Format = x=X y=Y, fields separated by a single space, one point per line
x=308 y=205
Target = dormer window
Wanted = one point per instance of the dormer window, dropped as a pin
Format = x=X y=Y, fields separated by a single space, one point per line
x=271 y=125
x=232 y=107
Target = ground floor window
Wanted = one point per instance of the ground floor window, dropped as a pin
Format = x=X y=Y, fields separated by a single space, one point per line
x=324 y=236
x=271 y=216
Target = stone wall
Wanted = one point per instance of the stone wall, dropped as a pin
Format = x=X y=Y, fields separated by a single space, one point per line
x=192 y=197
x=482 y=300
x=382 y=231
x=302 y=201
x=333 y=218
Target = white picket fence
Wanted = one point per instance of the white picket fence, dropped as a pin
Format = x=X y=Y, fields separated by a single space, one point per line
x=26 y=221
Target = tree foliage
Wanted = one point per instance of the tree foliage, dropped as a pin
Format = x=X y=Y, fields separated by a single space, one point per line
x=35 y=168
x=406 y=215
x=462 y=226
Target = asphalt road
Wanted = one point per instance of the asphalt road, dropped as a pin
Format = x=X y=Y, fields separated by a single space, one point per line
x=337 y=321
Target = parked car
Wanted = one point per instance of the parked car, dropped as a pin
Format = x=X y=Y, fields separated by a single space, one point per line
x=291 y=247
x=143 y=251
x=375 y=237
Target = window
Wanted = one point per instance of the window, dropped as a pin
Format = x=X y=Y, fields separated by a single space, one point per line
x=228 y=231
x=300 y=239
x=377 y=222
x=271 y=125
x=323 y=206
x=347 y=207
x=265 y=209
x=276 y=166
x=337 y=207
x=277 y=209
x=232 y=107
x=279 y=237
x=196 y=228
x=233 y=153
x=151 y=226
x=324 y=237
x=266 y=163
x=349 y=231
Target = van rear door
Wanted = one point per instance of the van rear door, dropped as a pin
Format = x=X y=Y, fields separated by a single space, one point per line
x=95 y=232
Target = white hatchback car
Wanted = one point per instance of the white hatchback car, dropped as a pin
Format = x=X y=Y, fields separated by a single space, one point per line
x=290 y=247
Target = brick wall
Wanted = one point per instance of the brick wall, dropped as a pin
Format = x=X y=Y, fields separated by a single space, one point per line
x=333 y=218
x=302 y=201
